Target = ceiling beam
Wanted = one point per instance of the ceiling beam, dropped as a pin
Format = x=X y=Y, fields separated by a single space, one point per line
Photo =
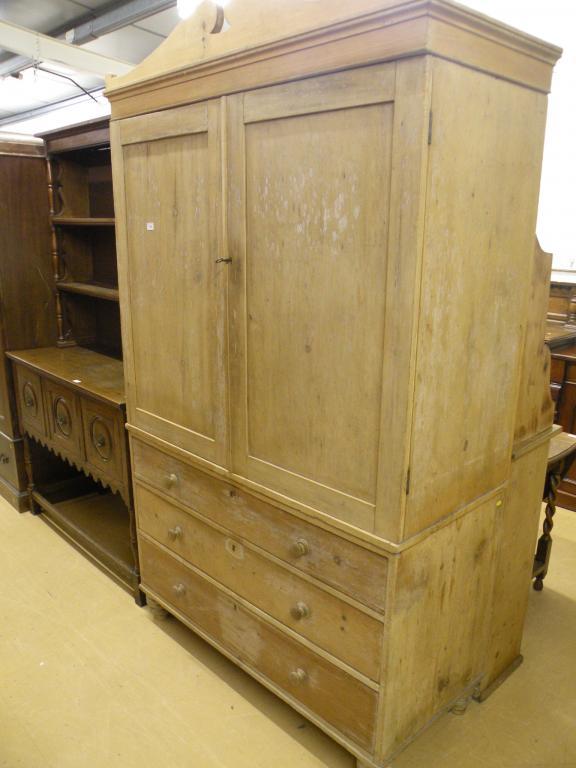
x=129 y=12
x=81 y=30
x=38 y=47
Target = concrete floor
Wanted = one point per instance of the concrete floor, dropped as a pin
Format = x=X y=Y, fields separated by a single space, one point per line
x=87 y=679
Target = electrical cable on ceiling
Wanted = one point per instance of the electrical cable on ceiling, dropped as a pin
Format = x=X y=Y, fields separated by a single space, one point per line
x=66 y=77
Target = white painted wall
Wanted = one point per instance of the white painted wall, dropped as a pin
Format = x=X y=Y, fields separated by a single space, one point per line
x=555 y=22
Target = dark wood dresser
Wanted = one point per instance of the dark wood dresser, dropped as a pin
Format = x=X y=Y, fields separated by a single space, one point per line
x=70 y=395
x=563 y=388
x=26 y=292
x=561 y=340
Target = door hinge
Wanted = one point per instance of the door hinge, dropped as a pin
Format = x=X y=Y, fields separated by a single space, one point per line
x=408 y=482
x=430 y=128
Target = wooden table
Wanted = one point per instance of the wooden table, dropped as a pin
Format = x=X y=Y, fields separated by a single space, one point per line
x=561 y=455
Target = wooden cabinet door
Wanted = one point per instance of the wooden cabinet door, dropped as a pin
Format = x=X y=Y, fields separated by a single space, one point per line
x=309 y=220
x=168 y=180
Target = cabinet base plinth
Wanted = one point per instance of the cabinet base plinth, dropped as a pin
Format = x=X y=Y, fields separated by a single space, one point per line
x=502 y=677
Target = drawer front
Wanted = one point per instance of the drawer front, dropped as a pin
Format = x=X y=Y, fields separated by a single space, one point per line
x=11 y=461
x=30 y=402
x=354 y=570
x=557 y=370
x=341 y=629
x=64 y=420
x=322 y=687
x=104 y=440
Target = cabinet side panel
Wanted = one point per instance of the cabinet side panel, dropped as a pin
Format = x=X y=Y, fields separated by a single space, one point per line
x=535 y=407
x=437 y=625
x=25 y=268
x=484 y=171
x=26 y=295
x=516 y=529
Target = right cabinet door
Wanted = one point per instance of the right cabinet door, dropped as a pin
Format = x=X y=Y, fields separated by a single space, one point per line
x=168 y=182
x=310 y=167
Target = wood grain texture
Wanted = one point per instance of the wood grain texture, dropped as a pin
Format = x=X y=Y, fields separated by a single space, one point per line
x=305 y=385
x=26 y=288
x=403 y=290
x=437 y=626
x=330 y=692
x=173 y=203
x=90 y=372
x=329 y=558
x=535 y=409
x=105 y=441
x=310 y=36
x=64 y=420
x=339 y=628
x=365 y=218
x=478 y=253
x=517 y=523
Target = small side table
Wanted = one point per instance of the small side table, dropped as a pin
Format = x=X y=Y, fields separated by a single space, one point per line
x=561 y=455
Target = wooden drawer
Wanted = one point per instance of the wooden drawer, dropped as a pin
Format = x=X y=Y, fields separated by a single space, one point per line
x=557 y=370
x=104 y=440
x=30 y=402
x=339 y=628
x=64 y=420
x=9 y=461
x=354 y=570
x=329 y=692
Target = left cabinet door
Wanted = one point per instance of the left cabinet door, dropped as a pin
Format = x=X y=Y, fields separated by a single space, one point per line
x=168 y=194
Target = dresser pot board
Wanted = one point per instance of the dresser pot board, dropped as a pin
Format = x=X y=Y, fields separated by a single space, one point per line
x=338 y=454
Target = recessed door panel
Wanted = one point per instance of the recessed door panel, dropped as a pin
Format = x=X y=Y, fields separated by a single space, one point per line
x=309 y=334
x=176 y=284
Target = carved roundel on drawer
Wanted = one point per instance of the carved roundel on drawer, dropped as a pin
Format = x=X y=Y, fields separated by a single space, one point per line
x=101 y=438
x=29 y=398
x=62 y=416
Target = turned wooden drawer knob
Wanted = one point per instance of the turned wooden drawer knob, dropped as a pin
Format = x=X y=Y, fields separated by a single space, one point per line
x=300 y=548
x=28 y=401
x=175 y=533
x=300 y=611
x=171 y=480
x=180 y=589
x=62 y=421
x=100 y=441
x=298 y=675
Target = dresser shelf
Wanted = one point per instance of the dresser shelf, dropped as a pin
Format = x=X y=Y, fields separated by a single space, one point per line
x=87 y=221
x=94 y=290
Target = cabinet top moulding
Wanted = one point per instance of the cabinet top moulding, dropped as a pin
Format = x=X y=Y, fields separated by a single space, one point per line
x=19 y=148
x=304 y=37
x=93 y=133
